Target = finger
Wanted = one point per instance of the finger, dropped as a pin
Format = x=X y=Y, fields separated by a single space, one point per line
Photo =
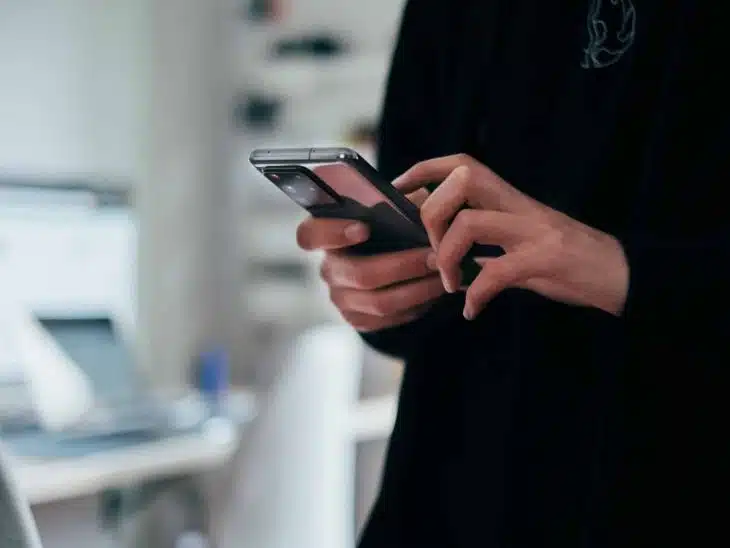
x=314 y=233
x=493 y=191
x=444 y=203
x=471 y=227
x=389 y=301
x=509 y=270
x=429 y=171
x=461 y=189
x=418 y=197
x=367 y=322
x=377 y=271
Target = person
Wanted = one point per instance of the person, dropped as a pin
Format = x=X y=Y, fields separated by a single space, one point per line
x=575 y=394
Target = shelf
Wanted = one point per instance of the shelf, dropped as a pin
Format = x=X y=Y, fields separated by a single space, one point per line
x=363 y=28
x=289 y=78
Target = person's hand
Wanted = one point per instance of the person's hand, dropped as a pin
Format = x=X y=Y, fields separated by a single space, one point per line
x=545 y=250
x=375 y=292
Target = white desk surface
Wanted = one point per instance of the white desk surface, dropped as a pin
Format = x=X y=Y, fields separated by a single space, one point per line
x=44 y=481
x=51 y=480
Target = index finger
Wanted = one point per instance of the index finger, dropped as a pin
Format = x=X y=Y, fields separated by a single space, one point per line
x=429 y=171
x=316 y=233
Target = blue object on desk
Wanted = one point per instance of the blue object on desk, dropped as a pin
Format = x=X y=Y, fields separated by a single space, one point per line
x=212 y=378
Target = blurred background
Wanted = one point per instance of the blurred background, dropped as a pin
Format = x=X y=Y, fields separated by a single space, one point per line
x=171 y=372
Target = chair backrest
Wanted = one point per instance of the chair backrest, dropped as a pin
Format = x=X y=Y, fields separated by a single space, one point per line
x=17 y=528
x=297 y=488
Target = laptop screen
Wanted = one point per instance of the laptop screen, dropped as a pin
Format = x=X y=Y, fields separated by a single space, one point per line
x=99 y=352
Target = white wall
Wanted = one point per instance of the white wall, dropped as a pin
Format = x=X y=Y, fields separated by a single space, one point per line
x=187 y=267
x=69 y=97
x=69 y=263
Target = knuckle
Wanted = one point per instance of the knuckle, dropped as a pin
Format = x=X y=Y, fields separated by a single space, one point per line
x=418 y=166
x=334 y=297
x=466 y=220
x=341 y=270
x=429 y=214
x=446 y=256
x=460 y=181
x=325 y=269
x=357 y=321
x=554 y=242
x=471 y=185
x=360 y=276
x=413 y=171
x=379 y=305
x=337 y=297
x=464 y=158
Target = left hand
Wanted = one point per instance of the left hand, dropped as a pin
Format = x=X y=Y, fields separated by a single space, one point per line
x=545 y=250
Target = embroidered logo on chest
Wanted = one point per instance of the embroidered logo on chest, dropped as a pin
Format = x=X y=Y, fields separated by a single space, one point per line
x=611 y=32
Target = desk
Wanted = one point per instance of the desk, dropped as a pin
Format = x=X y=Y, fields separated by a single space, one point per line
x=45 y=480
x=65 y=492
x=51 y=480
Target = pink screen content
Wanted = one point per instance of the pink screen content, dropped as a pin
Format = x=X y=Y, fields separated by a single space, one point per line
x=349 y=183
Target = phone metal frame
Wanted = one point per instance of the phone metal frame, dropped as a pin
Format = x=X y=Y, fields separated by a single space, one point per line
x=280 y=157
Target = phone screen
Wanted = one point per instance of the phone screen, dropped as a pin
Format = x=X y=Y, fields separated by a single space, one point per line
x=350 y=184
x=339 y=190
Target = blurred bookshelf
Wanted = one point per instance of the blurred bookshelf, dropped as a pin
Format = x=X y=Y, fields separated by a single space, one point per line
x=308 y=73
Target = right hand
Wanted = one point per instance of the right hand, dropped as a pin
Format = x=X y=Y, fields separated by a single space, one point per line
x=374 y=292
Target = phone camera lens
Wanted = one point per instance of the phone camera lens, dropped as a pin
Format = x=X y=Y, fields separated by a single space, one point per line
x=304 y=193
x=301 y=188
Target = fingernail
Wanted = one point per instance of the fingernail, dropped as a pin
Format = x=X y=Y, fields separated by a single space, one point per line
x=468 y=312
x=447 y=285
x=356 y=232
x=432 y=262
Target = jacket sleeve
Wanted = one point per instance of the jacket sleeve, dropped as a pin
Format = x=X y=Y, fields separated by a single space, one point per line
x=410 y=97
x=679 y=249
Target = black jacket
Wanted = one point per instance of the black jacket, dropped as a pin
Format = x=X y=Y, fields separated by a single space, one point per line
x=543 y=424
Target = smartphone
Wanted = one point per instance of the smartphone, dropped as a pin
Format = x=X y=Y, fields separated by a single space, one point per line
x=339 y=183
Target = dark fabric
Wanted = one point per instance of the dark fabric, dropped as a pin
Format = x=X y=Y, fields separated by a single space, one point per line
x=543 y=424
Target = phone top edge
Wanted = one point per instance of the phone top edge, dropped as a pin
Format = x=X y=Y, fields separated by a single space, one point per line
x=303 y=155
x=331 y=154
x=288 y=155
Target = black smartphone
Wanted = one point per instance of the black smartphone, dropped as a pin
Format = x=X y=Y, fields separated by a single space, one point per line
x=339 y=183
